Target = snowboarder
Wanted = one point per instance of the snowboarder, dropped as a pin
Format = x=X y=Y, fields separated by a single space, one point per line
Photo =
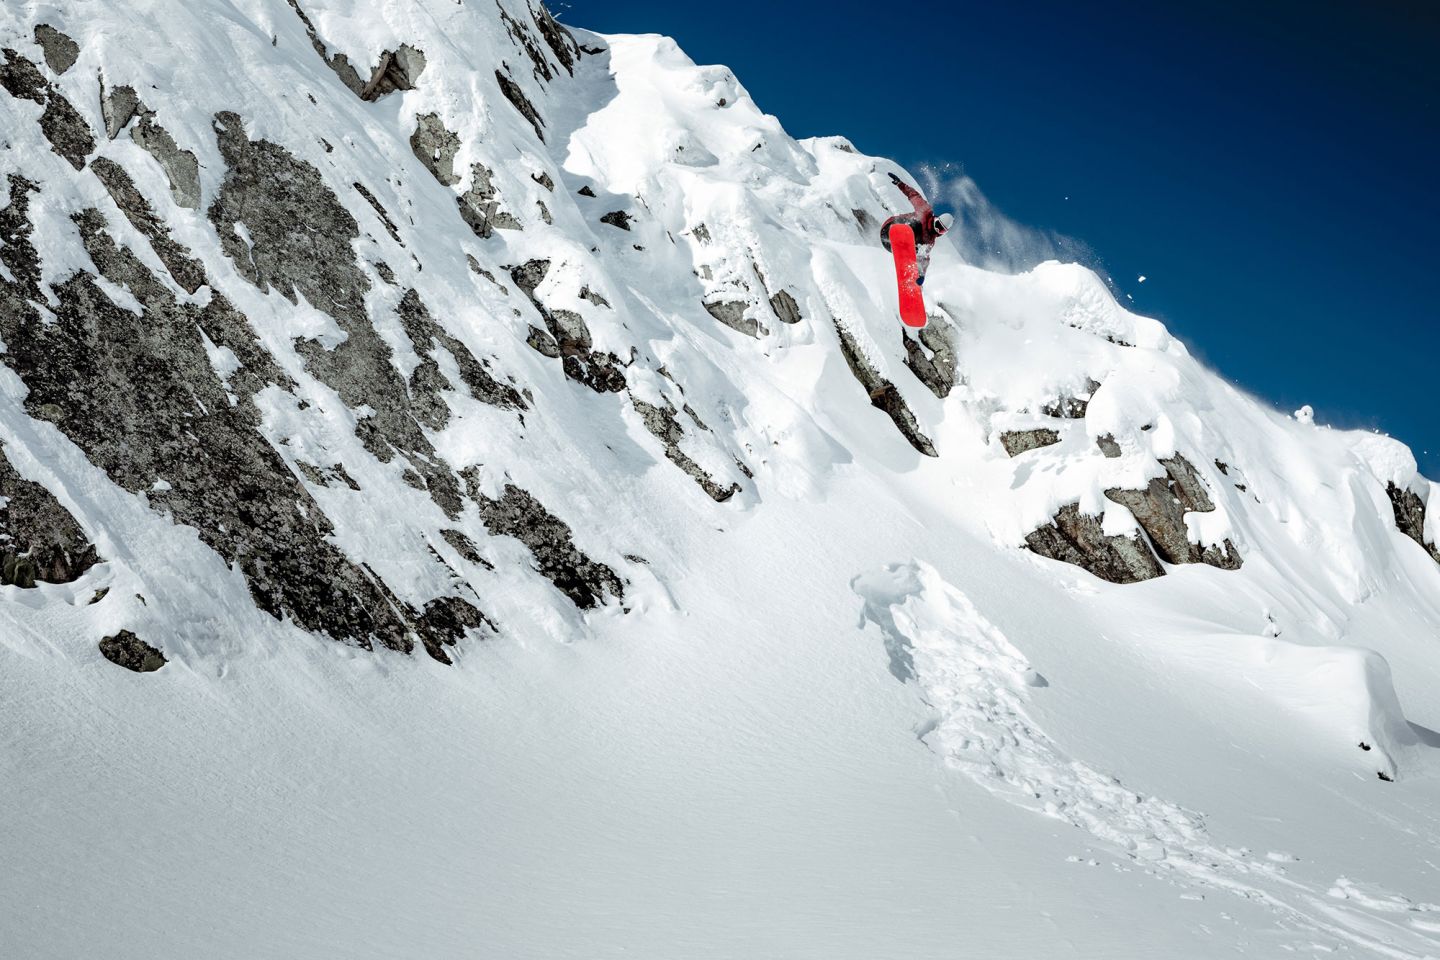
x=927 y=226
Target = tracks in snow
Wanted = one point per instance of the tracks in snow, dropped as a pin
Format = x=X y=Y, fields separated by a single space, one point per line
x=978 y=684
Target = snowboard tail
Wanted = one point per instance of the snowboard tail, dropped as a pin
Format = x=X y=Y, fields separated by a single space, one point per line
x=907 y=275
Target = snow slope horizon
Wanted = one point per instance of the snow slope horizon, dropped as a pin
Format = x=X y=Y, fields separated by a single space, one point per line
x=714 y=756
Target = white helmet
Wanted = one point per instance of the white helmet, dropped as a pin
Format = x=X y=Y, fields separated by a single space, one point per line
x=944 y=222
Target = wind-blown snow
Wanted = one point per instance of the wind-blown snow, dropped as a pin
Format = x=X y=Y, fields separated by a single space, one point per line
x=841 y=714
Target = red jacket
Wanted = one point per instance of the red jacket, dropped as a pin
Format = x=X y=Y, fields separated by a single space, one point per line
x=922 y=221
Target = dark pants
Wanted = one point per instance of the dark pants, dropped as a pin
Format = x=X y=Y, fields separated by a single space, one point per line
x=922 y=249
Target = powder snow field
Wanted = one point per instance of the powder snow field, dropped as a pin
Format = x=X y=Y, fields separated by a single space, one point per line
x=843 y=713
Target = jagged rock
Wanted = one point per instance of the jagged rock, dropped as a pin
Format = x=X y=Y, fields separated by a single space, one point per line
x=301 y=243
x=464 y=546
x=521 y=36
x=60 y=51
x=931 y=356
x=1017 y=442
x=566 y=49
x=446 y=621
x=1410 y=517
x=569 y=337
x=180 y=166
x=544 y=180
x=426 y=335
x=732 y=314
x=139 y=396
x=339 y=63
x=617 y=218
x=118 y=106
x=39 y=539
x=185 y=269
x=389 y=224
x=397 y=70
x=436 y=146
x=517 y=99
x=1108 y=446
x=661 y=422
x=1077 y=538
x=1160 y=510
x=785 y=307
x=1071 y=408
x=587 y=294
x=544 y=212
x=126 y=650
x=884 y=395
x=479 y=207
x=60 y=122
x=331 y=476
x=518 y=514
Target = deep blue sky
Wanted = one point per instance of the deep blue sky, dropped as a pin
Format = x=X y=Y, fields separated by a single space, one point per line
x=1270 y=167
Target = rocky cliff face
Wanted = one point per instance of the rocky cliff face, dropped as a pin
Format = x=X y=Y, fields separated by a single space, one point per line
x=387 y=325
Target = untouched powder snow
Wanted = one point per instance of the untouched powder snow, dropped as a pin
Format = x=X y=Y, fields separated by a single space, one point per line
x=819 y=701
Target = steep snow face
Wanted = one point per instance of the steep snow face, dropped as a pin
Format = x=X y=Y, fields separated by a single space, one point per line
x=768 y=629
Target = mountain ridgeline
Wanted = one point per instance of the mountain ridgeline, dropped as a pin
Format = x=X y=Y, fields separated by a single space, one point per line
x=365 y=316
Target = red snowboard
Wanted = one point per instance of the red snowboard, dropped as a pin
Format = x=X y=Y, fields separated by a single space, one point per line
x=907 y=271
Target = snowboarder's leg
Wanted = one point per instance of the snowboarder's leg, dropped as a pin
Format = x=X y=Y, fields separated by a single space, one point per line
x=922 y=260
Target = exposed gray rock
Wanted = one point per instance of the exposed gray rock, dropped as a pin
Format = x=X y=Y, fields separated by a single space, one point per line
x=118 y=106
x=732 y=314
x=436 y=146
x=569 y=337
x=301 y=240
x=427 y=335
x=397 y=70
x=339 y=63
x=1410 y=516
x=379 y=212
x=129 y=651
x=884 y=395
x=931 y=356
x=525 y=41
x=180 y=166
x=464 y=546
x=586 y=192
x=39 y=539
x=60 y=51
x=587 y=294
x=479 y=206
x=517 y=99
x=785 y=307
x=518 y=514
x=1017 y=442
x=617 y=218
x=1077 y=538
x=1071 y=408
x=61 y=124
x=661 y=422
x=1160 y=510
x=544 y=180
x=138 y=395
x=186 y=270
x=566 y=49
x=1108 y=446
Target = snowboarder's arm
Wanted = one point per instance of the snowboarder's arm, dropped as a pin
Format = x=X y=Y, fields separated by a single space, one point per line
x=916 y=200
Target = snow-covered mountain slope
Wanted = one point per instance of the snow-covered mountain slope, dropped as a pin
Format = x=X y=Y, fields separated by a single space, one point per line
x=336 y=331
